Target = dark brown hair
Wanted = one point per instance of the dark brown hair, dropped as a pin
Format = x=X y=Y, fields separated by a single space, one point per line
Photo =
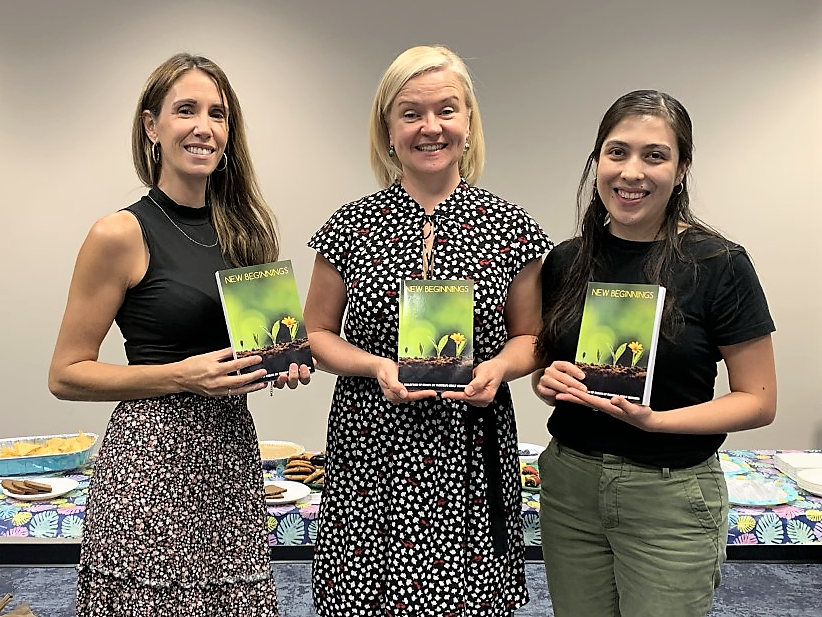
x=564 y=304
x=245 y=226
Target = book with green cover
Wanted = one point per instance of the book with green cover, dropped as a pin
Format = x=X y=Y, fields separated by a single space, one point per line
x=264 y=316
x=618 y=339
x=435 y=349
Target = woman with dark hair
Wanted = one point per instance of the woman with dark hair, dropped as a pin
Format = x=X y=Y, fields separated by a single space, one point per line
x=633 y=504
x=175 y=522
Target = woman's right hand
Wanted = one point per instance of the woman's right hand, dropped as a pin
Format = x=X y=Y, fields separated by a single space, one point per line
x=214 y=374
x=556 y=379
x=395 y=392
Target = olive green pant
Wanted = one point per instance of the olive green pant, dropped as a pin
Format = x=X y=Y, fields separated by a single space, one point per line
x=628 y=540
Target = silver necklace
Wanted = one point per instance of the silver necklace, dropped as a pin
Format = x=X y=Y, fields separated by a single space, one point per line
x=208 y=246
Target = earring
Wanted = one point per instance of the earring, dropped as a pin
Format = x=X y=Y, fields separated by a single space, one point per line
x=467 y=145
x=224 y=162
x=155 y=152
x=391 y=151
x=681 y=186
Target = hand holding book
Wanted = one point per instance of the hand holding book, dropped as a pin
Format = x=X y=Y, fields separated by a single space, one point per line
x=393 y=389
x=614 y=363
x=264 y=318
x=436 y=331
x=618 y=337
x=562 y=381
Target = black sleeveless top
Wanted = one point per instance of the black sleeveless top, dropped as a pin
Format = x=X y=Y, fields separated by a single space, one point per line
x=174 y=312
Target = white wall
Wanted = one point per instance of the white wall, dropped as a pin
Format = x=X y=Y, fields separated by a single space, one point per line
x=749 y=72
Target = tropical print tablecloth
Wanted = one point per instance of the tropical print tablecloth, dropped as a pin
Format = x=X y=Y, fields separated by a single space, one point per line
x=293 y=524
x=62 y=517
x=797 y=522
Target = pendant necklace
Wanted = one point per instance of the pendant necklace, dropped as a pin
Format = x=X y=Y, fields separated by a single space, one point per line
x=208 y=246
x=428 y=232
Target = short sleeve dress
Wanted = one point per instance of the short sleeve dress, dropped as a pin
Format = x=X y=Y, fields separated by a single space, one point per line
x=421 y=513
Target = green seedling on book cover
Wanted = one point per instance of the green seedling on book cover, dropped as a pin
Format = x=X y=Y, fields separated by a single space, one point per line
x=619 y=318
x=435 y=346
x=264 y=315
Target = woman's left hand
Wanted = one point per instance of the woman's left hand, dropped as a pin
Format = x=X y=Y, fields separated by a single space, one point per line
x=482 y=389
x=295 y=376
x=640 y=416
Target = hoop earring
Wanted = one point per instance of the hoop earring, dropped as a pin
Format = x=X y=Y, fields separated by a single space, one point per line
x=155 y=152
x=391 y=151
x=681 y=186
x=467 y=146
x=224 y=161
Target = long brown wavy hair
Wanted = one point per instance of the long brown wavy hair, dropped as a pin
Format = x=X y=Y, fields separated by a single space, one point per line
x=564 y=303
x=246 y=227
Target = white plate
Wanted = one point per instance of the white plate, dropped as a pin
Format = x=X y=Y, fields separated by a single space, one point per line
x=732 y=465
x=800 y=460
x=294 y=491
x=59 y=486
x=810 y=480
x=529 y=452
x=811 y=476
x=749 y=491
x=813 y=489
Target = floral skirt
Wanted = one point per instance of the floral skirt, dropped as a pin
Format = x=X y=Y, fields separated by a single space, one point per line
x=175 y=523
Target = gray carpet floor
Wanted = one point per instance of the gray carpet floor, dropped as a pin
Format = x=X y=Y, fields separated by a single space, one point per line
x=748 y=590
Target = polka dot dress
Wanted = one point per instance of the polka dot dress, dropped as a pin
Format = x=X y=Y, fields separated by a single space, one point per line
x=421 y=510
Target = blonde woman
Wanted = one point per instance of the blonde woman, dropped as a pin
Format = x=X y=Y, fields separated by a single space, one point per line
x=421 y=513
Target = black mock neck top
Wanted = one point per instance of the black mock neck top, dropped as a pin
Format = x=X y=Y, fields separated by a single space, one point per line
x=174 y=312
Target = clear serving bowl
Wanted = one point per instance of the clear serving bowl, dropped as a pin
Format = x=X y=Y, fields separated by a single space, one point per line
x=43 y=463
x=529 y=452
x=275 y=454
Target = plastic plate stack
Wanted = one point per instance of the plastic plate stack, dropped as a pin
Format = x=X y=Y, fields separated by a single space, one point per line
x=791 y=463
x=804 y=468
x=810 y=480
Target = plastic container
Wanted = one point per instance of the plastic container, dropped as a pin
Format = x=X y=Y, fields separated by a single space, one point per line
x=43 y=463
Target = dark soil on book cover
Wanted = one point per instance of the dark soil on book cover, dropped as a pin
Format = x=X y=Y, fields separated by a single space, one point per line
x=612 y=380
x=277 y=358
x=433 y=371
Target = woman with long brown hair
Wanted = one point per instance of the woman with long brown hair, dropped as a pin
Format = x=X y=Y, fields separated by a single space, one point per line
x=175 y=523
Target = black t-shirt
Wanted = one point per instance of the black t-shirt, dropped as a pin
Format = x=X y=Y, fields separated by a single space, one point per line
x=722 y=303
x=174 y=312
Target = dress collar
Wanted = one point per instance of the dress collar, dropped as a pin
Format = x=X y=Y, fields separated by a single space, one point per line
x=445 y=207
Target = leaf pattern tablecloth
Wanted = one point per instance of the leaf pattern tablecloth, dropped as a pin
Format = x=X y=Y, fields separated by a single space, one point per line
x=62 y=517
x=798 y=522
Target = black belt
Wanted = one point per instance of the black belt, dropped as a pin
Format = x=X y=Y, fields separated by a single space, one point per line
x=491 y=463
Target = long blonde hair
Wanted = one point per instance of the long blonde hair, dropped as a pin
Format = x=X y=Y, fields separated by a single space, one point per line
x=245 y=226
x=409 y=64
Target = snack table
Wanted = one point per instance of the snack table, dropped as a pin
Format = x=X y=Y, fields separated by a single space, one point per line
x=48 y=532
x=783 y=532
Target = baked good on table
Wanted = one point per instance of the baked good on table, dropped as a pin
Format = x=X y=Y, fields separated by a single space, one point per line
x=306 y=468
